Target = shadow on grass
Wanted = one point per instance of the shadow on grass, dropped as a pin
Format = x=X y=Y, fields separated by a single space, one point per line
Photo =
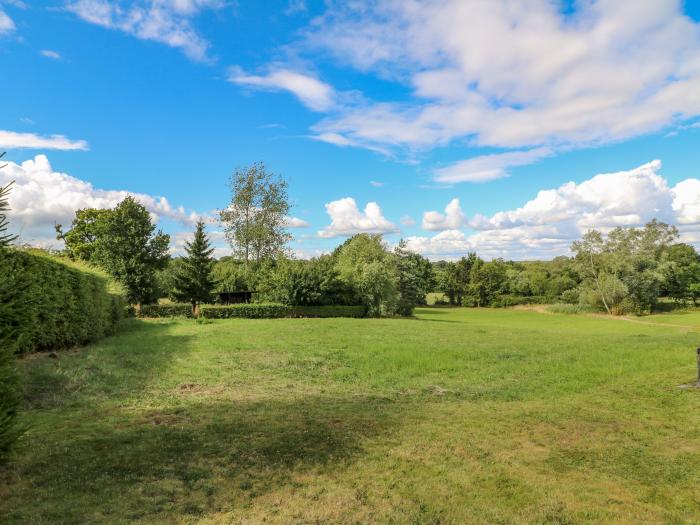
x=193 y=460
x=119 y=365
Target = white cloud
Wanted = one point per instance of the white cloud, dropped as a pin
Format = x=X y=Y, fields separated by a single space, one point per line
x=313 y=93
x=347 y=219
x=408 y=221
x=485 y=168
x=7 y=26
x=510 y=74
x=296 y=222
x=41 y=197
x=48 y=53
x=546 y=225
x=452 y=219
x=166 y=21
x=14 y=140
x=376 y=183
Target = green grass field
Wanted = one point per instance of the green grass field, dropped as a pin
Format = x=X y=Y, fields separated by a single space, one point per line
x=458 y=416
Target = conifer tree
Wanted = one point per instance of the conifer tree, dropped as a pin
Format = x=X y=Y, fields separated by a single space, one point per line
x=194 y=282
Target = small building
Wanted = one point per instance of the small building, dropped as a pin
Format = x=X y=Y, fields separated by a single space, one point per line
x=237 y=297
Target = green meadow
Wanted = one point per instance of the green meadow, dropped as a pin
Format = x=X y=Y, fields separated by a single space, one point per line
x=455 y=416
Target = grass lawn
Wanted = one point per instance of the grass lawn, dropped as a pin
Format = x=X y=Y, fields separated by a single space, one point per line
x=458 y=416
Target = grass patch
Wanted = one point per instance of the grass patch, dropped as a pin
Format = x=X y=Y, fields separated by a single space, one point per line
x=456 y=416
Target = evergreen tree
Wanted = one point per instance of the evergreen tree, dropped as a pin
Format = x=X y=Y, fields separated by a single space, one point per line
x=194 y=282
x=5 y=239
x=9 y=378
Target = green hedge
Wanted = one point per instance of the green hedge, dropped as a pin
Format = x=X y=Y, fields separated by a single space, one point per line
x=248 y=311
x=251 y=311
x=54 y=304
x=166 y=310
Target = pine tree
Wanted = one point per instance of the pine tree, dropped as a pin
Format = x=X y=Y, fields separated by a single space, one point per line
x=5 y=239
x=194 y=282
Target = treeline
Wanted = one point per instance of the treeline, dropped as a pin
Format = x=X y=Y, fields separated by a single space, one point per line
x=361 y=271
x=626 y=271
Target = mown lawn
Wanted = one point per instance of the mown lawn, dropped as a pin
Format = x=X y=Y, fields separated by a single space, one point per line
x=459 y=416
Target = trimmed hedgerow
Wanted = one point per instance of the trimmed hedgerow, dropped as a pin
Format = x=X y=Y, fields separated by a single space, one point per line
x=55 y=304
x=251 y=311
x=248 y=311
x=166 y=310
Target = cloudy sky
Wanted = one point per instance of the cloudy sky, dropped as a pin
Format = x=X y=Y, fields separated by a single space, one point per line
x=504 y=127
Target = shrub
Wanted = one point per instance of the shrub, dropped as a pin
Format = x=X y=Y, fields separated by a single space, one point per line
x=277 y=311
x=166 y=310
x=248 y=311
x=56 y=304
x=566 y=308
x=504 y=301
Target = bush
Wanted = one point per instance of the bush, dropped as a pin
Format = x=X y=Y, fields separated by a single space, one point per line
x=55 y=304
x=166 y=310
x=248 y=311
x=504 y=301
x=567 y=308
x=277 y=311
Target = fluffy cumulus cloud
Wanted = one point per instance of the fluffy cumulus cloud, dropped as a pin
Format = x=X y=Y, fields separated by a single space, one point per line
x=166 y=21
x=452 y=219
x=524 y=77
x=347 y=219
x=546 y=225
x=42 y=197
x=314 y=94
x=14 y=140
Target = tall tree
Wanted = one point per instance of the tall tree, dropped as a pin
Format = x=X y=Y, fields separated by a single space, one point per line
x=255 y=220
x=193 y=282
x=131 y=250
x=85 y=232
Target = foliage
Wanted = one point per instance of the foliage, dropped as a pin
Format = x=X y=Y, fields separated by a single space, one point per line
x=87 y=229
x=193 y=281
x=681 y=272
x=252 y=311
x=415 y=279
x=364 y=262
x=166 y=310
x=314 y=282
x=11 y=283
x=624 y=272
x=5 y=238
x=56 y=305
x=131 y=250
x=568 y=308
x=233 y=275
x=255 y=220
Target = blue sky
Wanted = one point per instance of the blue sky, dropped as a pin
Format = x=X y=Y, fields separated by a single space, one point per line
x=408 y=105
